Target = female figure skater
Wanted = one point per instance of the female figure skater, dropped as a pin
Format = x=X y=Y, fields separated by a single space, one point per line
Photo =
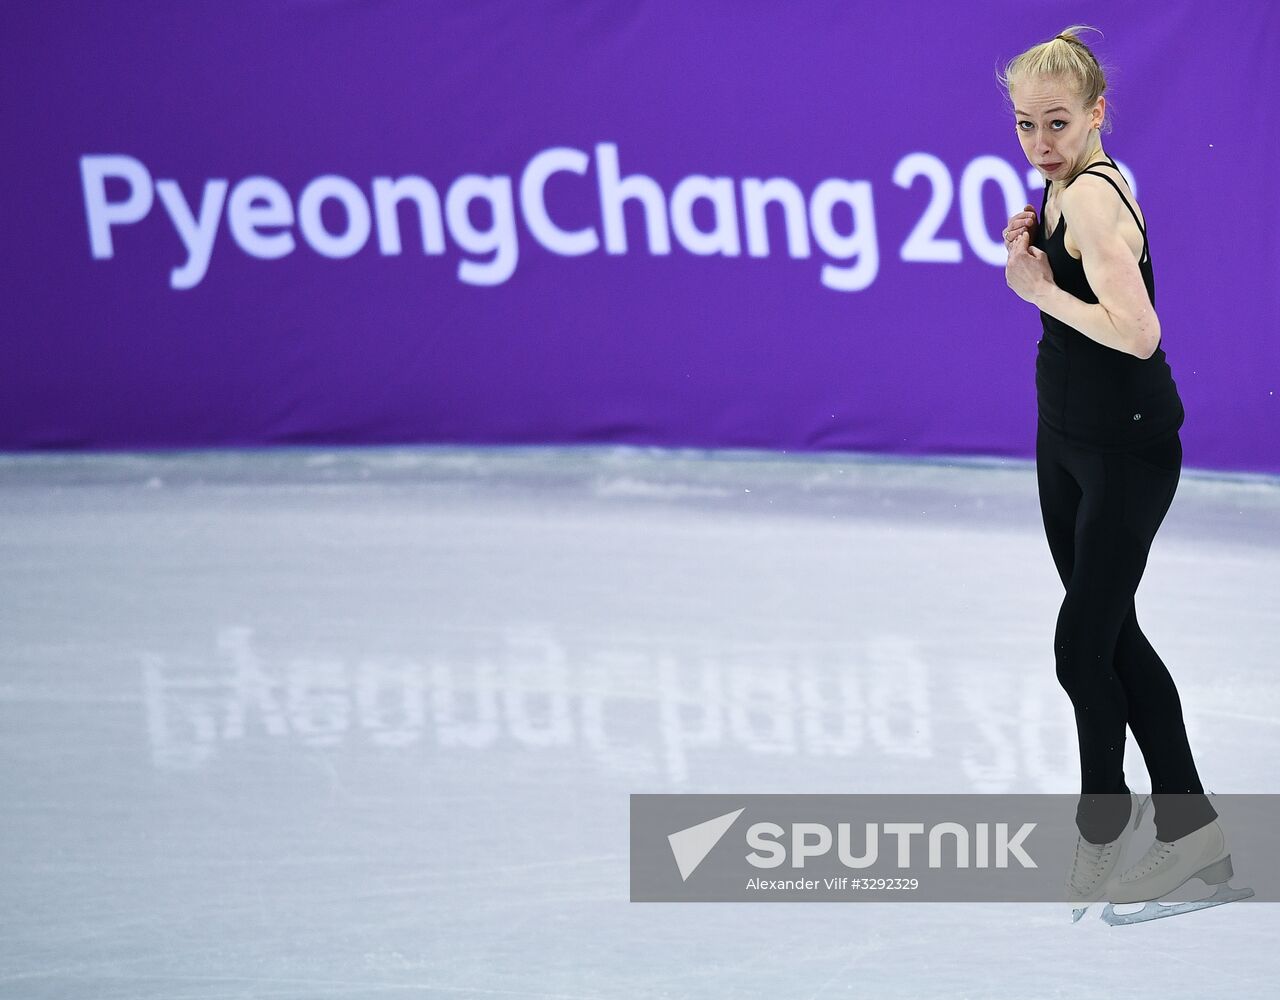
x=1108 y=459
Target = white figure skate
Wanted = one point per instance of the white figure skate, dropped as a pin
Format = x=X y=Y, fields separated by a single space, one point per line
x=1167 y=865
x=1094 y=865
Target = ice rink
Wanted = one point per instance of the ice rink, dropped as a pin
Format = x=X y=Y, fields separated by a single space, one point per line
x=317 y=723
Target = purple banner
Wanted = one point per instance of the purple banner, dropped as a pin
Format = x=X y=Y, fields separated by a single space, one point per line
x=712 y=224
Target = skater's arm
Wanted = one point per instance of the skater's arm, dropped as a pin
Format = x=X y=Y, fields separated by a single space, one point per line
x=1123 y=317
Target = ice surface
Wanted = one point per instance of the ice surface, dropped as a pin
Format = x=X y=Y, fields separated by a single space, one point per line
x=363 y=723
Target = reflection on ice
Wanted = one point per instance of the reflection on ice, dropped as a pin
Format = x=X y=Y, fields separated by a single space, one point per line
x=642 y=714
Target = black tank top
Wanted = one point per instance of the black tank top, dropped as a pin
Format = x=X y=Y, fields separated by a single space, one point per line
x=1093 y=395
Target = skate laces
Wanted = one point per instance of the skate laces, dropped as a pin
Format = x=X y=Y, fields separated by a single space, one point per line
x=1089 y=863
x=1156 y=853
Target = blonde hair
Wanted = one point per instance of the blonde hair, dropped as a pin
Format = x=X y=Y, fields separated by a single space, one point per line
x=1064 y=55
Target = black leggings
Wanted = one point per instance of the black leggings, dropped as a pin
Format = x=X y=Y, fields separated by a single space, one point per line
x=1101 y=512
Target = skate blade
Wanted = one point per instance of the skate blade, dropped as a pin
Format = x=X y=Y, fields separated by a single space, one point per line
x=1154 y=910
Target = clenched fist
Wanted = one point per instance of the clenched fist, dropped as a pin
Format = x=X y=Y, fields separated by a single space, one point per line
x=1024 y=221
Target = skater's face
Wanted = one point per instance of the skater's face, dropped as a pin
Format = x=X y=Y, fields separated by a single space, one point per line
x=1056 y=132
